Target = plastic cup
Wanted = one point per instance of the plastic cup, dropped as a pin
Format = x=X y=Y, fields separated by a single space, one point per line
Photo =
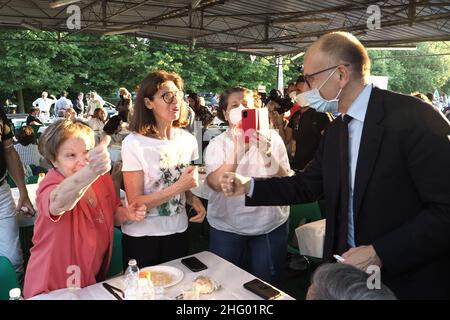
x=158 y=285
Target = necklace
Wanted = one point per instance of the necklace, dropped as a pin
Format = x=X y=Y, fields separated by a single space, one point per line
x=101 y=217
x=90 y=196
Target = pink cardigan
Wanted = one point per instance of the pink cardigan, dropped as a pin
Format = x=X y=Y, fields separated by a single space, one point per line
x=70 y=239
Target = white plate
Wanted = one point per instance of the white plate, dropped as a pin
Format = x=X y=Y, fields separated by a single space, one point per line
x=177 y=274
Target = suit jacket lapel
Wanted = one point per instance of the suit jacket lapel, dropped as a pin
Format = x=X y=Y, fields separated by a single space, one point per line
x=368 y=150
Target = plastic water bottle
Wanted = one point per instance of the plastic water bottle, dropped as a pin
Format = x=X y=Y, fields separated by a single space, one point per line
x=15 y=294
x=132 y=281
x=146 y=290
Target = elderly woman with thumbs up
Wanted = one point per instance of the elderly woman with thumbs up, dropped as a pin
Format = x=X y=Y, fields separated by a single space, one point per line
x=156 y=171
x=77 y=209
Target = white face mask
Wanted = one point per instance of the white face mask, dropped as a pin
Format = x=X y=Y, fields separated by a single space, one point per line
x=301 y=100
x=315 y=100
x=292 y=95
x=235 y=114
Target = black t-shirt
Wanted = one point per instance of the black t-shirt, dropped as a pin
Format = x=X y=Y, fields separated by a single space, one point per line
x=5 y=134
x=307 y=128
x=31 y=119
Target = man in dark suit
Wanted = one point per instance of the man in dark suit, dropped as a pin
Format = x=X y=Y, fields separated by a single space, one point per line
x=382 y=168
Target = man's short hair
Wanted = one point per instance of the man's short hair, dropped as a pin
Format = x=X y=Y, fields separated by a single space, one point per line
x=346 y=48
x=338 y=281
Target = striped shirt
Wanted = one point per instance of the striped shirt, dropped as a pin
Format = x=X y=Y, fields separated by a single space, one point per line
x=28 y=154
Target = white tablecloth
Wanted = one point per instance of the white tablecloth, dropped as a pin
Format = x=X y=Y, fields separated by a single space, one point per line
x=230 y=277
x=311 y=238
x=17 y=122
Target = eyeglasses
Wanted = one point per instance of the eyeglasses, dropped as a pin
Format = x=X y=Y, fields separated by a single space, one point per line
x=169 y=96
x=308 y=77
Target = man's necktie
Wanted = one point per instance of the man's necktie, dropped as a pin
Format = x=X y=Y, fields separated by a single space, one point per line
x=342 y=220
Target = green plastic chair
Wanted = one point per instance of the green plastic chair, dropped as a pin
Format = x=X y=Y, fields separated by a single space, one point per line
x=8 y=278
x=29 y=180
x=36 y=128
x=10 y=181
x=301 y=214
x=116 y=266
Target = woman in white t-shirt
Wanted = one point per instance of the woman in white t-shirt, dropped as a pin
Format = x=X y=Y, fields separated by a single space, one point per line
x=253 y=238
x=156 y=171
x=98 y=120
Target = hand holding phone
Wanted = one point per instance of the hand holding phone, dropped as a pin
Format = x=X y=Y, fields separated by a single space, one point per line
x=249 y=123
x=262 y=289
x=255 y=120
x=194 y=264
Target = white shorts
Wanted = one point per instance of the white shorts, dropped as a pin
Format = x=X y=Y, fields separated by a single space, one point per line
x=9 y=229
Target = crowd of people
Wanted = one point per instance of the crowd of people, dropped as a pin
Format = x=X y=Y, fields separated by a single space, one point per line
x=373 y=158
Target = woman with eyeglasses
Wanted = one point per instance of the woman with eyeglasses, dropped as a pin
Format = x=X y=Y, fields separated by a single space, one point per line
x=156 y=171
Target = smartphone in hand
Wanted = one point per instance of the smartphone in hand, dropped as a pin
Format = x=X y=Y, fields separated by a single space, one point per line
x=262 y=289
x=255 y=120
x=194 y=264
x=249 y=123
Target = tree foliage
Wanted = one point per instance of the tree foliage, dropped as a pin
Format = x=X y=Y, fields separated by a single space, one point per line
x=31 y=62
x=424 y=70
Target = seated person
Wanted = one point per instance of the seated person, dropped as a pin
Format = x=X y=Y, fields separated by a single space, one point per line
x=26 y=147
x=339 y=281
x=78 y=208
x=98 y=120
x=33 y=117
x=61 y=114
x=112 y=128
x=70 y=114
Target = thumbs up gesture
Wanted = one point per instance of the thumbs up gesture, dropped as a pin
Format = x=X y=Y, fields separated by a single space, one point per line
x=98 y=157
x=188 y=179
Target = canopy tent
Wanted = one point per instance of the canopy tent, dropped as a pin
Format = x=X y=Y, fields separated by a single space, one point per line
x=262 y=27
